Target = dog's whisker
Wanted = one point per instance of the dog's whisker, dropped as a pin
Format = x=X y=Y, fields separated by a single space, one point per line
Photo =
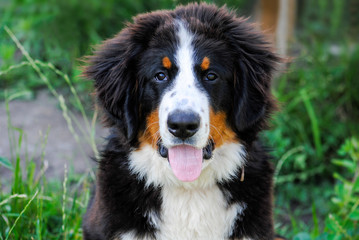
x=150 y=137
x=219 y=133
x=148 y=126
x=156 y=138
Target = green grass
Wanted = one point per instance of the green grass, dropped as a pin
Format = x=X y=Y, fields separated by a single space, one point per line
x=333 y=211
x=35 y=207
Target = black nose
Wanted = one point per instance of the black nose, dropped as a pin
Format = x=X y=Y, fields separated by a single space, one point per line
x=183 y=124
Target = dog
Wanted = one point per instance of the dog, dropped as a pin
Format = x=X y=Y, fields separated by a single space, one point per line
x=185 y=94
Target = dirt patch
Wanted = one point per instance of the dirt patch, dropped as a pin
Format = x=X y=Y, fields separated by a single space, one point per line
x=35 y=118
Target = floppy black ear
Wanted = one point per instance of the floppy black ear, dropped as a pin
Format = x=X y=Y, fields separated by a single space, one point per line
x=114 y=68
x=254 y=67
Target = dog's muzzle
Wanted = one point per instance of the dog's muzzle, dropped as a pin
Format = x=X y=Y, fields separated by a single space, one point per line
x=185 y=160
x=181 y=148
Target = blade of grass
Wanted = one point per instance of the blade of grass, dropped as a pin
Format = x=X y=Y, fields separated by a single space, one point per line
x=12 y=197
x=38 y=229
x=17 y=172
x=301 y=176
x=31 y=61
x=315 y=231
x=39 y=216
x=13 y=67
x=34 y=64
x=284 y=158
x=6 y=163
x=72 y=89
x=91 y=130
x=44 y=164
x=21 y=213
x=11 y=135
x=339 y=229
x=314 y=123
x=64 y=196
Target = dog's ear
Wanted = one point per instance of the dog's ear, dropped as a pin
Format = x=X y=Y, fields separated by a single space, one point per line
x=114 y=68
x=254 y=67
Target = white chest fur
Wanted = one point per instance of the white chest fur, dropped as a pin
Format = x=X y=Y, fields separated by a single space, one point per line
x=194 y=210
x=196 y=214
x=193 y=214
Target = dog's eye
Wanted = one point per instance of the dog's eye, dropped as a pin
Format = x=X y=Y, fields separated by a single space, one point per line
x=211 y=77
x=161 y=76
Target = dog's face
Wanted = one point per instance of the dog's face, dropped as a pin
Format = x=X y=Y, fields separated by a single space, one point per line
x=185 y=84
x=188 y=88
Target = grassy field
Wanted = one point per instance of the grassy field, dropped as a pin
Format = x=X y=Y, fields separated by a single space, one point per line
x=314 y=136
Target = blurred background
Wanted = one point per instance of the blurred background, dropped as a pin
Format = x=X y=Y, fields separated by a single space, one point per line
x=49 y=126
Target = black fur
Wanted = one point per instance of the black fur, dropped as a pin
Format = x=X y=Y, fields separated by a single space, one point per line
x=256 y=191
x=121 y=201
x=122 y=69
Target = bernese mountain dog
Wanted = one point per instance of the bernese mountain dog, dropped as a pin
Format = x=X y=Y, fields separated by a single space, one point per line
x=185 y=94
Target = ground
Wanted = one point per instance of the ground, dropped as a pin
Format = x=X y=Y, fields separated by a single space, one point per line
x=34 y=118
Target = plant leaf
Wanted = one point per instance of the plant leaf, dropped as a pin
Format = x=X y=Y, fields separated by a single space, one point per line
x=354 y=215
x=302 y=236
x=6 y=163
x=345 y=163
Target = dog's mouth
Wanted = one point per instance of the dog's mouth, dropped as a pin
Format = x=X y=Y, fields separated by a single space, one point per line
x=185 y=160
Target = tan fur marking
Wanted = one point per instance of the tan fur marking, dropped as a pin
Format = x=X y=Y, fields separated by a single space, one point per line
x=152 y=132
x=166 y=62
x=219 y=131
x=205 y=63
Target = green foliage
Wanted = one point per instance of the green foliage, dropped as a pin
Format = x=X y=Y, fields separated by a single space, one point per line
x=324 y=18
x=38 y=211
x=319 y=104
x=319 y=110
x=34 y=208
x=343 y=221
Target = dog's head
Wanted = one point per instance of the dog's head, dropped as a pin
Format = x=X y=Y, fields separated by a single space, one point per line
x=185 y=82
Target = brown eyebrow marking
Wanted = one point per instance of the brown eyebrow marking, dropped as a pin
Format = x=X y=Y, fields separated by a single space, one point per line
x=166 y=62
x=205 y=63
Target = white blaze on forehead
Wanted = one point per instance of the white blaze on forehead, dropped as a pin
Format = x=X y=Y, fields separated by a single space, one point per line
x=184 y=57
x=185 y=94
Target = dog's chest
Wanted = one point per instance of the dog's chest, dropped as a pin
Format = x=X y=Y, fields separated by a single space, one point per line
x=196 y=214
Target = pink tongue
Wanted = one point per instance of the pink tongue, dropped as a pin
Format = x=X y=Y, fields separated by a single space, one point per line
x=186 y=162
